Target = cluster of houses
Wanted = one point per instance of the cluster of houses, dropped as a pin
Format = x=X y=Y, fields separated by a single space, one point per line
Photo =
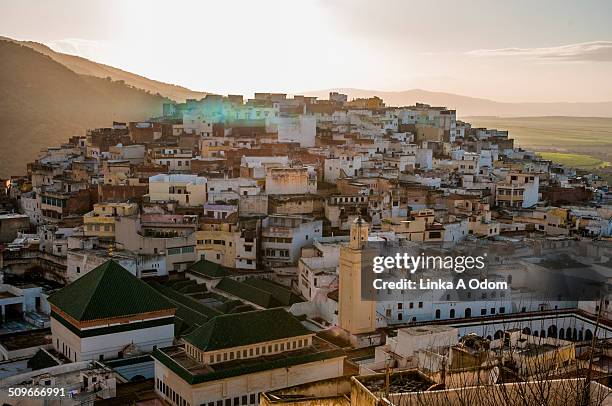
x=216 y=253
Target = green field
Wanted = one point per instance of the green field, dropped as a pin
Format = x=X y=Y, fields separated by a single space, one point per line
x=580 y=142
x=552 y=132
x=579 y=161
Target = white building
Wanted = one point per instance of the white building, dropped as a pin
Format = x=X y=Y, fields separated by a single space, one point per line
x=283 y=237
x=347 y=164
x=98 y=316
x=270 y=349
x=301 y=129
x=186 y=190
x=195 y=122
x=231 y=189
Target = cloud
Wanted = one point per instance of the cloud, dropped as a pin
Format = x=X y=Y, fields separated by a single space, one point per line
x=595 y=51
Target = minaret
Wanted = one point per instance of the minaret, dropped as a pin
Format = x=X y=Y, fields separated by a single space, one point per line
x=355 y=315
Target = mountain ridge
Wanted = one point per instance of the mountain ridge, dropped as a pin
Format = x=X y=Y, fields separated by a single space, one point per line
x=474 y=106
x=43 y=103
x=84 y=66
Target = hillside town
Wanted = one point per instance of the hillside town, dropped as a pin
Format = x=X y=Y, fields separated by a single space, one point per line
x=213 y=255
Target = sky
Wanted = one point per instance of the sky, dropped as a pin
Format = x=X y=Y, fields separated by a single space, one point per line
x=515 y=51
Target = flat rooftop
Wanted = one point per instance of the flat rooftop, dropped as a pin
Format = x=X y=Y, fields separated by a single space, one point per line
x=401 y=382
x=26 y=339
x=532 y=350
x=423 y=330
x=198 y=372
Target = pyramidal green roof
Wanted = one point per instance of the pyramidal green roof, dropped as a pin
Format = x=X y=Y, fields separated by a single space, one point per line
x=208 y=268
x=237 y=329
x=108 y=291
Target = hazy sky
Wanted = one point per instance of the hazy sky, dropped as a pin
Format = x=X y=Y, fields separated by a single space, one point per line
x=515 y=50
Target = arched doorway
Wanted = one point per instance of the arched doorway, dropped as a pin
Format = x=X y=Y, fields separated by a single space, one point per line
x=562 y=334
x=452 y=313
x=498 y=334
x=527 y=331
x=468 y=312
x=437 y=313
x=552 y=331
x=588 y=335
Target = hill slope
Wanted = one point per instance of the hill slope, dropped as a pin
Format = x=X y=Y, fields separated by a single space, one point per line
x=43 y=103
x=84 y=66
x=471 y=106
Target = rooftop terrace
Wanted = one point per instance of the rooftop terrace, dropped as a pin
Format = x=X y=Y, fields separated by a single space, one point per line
x=194 y=371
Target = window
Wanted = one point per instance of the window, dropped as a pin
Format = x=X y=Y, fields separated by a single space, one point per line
x=399 y=306
x=420 y=305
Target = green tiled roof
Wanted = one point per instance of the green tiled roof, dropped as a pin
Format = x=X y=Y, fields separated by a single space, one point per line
x=283 y=295
x=42 y=359
x=247 y=292
x=189 y=312
x=208 y=269
x=237 y=329
x=108 y=291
